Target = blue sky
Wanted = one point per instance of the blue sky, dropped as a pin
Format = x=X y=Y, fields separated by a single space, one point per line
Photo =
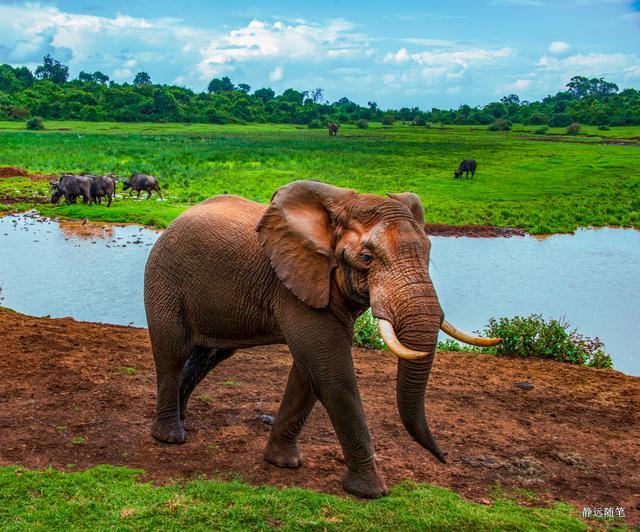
x=398 y=54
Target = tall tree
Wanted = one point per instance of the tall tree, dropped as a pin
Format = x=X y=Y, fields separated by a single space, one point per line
x=142 y=78
x=52 y=70
x=220 y=85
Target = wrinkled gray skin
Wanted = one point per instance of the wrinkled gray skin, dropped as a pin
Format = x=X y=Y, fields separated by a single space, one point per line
x=230 y=273
x=140 y=182
x=71 y=186
x=102 y=186
x=468 y=165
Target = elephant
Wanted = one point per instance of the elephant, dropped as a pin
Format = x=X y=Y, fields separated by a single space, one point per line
x=230 y=273
x=333 y=128
x=140 y=182
x=71 y=186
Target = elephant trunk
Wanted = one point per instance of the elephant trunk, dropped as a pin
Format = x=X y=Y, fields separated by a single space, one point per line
x=410 y=319
x=413 y=376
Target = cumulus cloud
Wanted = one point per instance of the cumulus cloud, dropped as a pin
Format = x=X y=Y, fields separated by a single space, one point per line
x=276 y=74
x=593 y=64
x=303 y=41
x=522 y=84
x=559 y=47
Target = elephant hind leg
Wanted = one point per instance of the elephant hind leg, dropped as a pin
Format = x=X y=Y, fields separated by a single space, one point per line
x=200 y=362
x=282 y=449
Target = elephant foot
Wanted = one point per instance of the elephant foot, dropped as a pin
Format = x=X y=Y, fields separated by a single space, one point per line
x=367 y=485
x=282 y=455
x=168 y=432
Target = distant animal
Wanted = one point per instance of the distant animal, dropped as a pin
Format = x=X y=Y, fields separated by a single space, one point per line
x=140 y=182
x=333 y=128
x=468 y=165
x=71 y=186
x=101 y=186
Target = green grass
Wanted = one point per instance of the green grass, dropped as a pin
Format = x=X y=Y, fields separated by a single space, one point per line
x=108 y=497
x=543 y=187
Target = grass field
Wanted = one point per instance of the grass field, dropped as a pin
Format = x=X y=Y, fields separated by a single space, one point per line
x=542 y=183
x=106 y=498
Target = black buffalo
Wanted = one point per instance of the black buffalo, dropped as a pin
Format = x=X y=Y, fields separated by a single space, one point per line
x=102 y=186
x=333 y=128
x=140 y=182
x=468 y=165
x=71 y=186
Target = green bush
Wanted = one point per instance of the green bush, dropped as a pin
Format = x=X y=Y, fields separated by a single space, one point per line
x=532 y=336
x=387 y=120
x=500 y=124
x=541 y=130
x=316 y=124
x=604 y=128
x=573 y=128
x=35 y=123
x=362 y=124
x=419 y=121
x=366 y=333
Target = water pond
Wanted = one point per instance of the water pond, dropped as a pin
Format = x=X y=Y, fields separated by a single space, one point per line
x=592 y=278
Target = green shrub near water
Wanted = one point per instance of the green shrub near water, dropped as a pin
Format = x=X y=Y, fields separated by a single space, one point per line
x=523 y=337
x=532 y=336
x=366 y=333
x=316 y=124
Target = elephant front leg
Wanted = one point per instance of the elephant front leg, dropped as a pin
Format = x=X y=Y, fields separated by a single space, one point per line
x=283 y=449
x=329 y=364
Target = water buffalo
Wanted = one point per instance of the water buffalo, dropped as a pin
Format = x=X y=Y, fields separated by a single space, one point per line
x=333 y=128
x=71 y=186
x=468 y=165
x=101 y=186
x=140 y=182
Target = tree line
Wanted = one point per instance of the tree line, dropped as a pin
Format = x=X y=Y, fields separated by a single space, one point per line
x=49 y=93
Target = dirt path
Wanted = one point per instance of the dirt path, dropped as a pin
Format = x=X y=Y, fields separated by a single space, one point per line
x=573 y=437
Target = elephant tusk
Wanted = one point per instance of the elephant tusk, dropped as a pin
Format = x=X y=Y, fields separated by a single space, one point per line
x=394 y=345
x=466 y=337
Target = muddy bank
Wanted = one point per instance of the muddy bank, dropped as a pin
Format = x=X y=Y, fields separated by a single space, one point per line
x=76 y=394
x=14 y=171
x=473 y=231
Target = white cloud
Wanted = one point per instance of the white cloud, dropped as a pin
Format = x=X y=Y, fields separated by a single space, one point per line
x=593 y=64
x=428 y=42
x=559 y=47
x=521 y=84
x=276 y=74
x=454 y=90
x=401 y=56
x=260 y=40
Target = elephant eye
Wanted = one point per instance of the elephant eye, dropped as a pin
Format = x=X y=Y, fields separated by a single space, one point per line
x=365 y=257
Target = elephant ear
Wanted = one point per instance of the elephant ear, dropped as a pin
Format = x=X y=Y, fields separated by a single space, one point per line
x=413 y=203
x=297 y=234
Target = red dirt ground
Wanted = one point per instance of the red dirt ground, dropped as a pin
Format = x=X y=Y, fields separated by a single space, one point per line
x=573 y=437
x=14 y=171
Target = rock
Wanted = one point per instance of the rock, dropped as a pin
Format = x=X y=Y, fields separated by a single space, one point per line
x=266 y=418
x=526 y=386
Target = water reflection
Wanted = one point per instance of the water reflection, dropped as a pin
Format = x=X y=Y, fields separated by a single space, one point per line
x=95 y=273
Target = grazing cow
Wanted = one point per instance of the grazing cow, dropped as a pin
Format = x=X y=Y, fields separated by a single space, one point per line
x=101 y=186
x=71 y=186
x=468 y=165
x=333 y=128
x=140 y=182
